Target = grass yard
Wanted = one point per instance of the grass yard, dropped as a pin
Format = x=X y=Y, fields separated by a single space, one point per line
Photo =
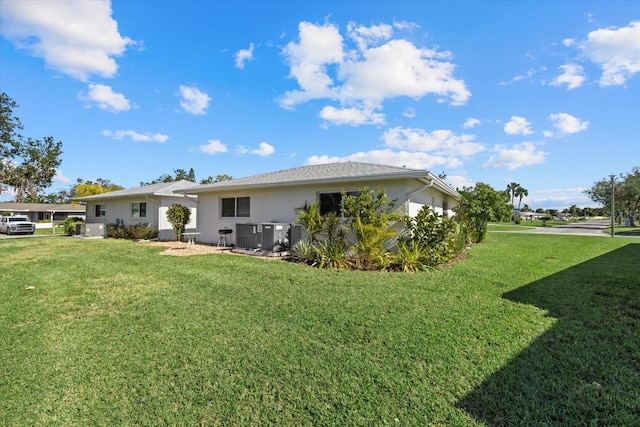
x=528 y=330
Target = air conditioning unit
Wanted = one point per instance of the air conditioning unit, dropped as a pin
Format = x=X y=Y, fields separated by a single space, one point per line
x=263 y=237
x=94 y=230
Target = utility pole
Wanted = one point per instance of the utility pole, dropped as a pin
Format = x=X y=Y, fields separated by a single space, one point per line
x=613 y=199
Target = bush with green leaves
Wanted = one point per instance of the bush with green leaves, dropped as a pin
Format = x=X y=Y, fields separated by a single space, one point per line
x=304 y=251
x=131 y=232
x=178 y=216
x=69 y=225
x=478 y=206
x=370 y=235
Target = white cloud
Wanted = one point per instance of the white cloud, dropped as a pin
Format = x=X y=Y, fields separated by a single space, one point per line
x=264 y=149
x=136 y=136
x=214 y=146
x=389 y=157
x=378 y=68
x=530 y=73
x=567 y=124
x=364 y=36
x=244 y=55
x=470 y=123
x=516 y=156
x=60 y=178
x=106 y=98
x=318 y=47
x=572 y=75
x=193 y=100
x=616 y=51
x=441 y=142
x=352 y=116
x=459 y=181
x=518 y=126
x=77 y=38
x=409 y=113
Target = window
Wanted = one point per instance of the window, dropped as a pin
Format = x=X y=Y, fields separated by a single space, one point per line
x=332 y=202
x=233 y=207
x=138 y=210
x=101 y=210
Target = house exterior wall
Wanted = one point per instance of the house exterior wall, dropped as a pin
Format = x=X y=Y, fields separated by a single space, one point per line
x=156 y=213
x=276 y=204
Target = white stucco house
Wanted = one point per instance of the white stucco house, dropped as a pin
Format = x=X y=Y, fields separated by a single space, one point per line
x=270 y=198
x=142 y=205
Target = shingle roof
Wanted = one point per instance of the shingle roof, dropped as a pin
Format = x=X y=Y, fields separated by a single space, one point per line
x=330 y=172
x=40 y=207
x=325 y=173
x=159 y=189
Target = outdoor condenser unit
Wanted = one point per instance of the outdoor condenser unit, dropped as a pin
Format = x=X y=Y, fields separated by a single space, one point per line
x=261 y=236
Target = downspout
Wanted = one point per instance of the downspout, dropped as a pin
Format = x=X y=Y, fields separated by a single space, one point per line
x=410 y=193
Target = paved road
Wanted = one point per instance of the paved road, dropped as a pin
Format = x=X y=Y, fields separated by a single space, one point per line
x=587 y=228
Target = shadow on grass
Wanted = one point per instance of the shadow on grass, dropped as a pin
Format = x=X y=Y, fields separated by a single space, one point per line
x=585 y=370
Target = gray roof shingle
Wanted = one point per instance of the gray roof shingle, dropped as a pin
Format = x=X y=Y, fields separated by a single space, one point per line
x=159 y=189
x=330 y=172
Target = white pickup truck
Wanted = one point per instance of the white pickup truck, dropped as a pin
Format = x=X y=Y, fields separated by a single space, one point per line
x=16 y=224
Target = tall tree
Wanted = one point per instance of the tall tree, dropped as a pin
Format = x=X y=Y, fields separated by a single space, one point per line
x=511 y=190
x=520 y=192
x=627 y=193
x=27 y=165
x=478 y=206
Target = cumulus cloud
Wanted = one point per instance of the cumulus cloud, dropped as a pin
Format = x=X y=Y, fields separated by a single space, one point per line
x=136 y=136
x=389 y=157
x=567 y=124
x=61 y=178
x=516 y=156
x=572 y=76
x=616 y=51
x=264 y=149
x=471 y=123
x=77 y=38
x=352 y=116
x=194 y=101
x=441 y=142
x=105 y=98
x=518 y=126
x=377 y=68
x=213 y=146
x=244 y=55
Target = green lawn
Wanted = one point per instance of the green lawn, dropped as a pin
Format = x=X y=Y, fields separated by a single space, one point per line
x=528 y=330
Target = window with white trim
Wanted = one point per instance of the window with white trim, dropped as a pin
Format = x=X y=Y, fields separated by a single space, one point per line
x=138 y=210
x=235 y=207
x=100 y=211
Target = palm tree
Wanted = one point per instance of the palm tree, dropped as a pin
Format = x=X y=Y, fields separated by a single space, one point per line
x=511 y=190
x=520 y=192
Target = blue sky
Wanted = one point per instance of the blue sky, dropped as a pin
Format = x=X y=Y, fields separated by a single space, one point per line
x=542 y=93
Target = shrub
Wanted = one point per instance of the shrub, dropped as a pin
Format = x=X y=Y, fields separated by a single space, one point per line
x=303 y=251
x=69 y=225
x=132 y=232
x=409 y=257
x=178 y=216
x=331 y=255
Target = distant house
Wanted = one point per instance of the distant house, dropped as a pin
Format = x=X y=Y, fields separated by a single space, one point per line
x=142 y=205
x=43 y=211
x=271 y=197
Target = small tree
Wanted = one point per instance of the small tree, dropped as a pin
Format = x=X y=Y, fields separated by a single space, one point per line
x=478 y=206
x=178 y=216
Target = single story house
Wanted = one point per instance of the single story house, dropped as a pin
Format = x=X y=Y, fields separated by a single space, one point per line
x=43 y=211
x=142 y=205
x=270 y=198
